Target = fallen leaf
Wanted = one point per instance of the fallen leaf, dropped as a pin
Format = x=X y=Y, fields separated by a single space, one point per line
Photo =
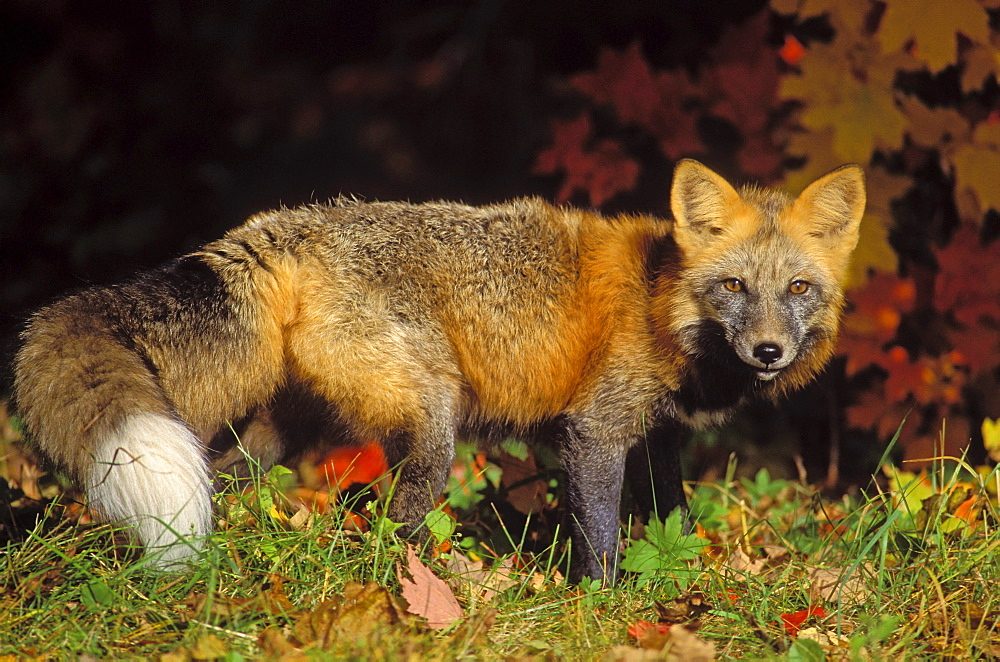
x=684 y=608
x=209 y=647
x=653 y=636
x=826 y=638
x=360 y=611
x=792 y=622
x=484 y=583
x=672 y=642
x=525 y=491
x=428 y=595
x=837 y=586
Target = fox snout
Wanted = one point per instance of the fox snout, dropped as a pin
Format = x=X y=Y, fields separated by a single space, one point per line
x=770 y=357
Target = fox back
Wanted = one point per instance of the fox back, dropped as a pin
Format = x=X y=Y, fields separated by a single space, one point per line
x=415 y=324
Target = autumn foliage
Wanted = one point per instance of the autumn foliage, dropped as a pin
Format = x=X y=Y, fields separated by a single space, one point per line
x=906 y=88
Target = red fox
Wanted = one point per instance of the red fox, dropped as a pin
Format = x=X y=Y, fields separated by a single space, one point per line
x=417 y=323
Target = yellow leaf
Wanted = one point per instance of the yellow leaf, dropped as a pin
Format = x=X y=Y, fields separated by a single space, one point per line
x=209 y=647
x=785 y=6
x=976 y=167
x=842 y=15
x=991 y=437
x=908 y=489
x=816 y=147
x=980 y=62
x=932 y=127
x=863 y=115
x=932 y=26
x=873 y=251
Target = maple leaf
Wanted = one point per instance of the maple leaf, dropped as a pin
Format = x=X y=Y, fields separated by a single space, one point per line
x=976 y=164
x=793 y=622
x=484 y=583
x=816 y=147
x=932 y=25
x=346 y=465
x=862 y=114
x=934 y=127
x=878 y=309
x=525 y=491
x=968 y=280
x=655 y=101
x=843 y=16
x=979 y=63
x=428 y=595
x=741 y=86
x=360 y=611
x=624 y=81
x=873 y=252
x=602 y=172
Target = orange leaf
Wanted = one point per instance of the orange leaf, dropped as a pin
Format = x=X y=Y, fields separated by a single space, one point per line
x=793 y=622
x=347 y=465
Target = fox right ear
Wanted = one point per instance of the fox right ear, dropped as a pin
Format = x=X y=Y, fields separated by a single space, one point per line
x=702 y=203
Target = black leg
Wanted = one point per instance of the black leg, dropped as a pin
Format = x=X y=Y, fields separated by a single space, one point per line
x=595 y=470
x=654 y=472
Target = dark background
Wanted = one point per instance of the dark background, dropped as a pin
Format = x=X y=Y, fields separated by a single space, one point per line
x=132 y=132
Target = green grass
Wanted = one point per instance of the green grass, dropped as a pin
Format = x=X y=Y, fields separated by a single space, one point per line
x=895 y=581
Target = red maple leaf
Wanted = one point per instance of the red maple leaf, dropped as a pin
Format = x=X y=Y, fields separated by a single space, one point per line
x=793 y=622
x=656 y=101
x=602 y=171
x=347 y=465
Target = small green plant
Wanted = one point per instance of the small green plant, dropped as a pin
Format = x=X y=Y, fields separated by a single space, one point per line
x=665 y=552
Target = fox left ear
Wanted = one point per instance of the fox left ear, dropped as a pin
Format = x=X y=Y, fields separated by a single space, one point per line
x=830 y=209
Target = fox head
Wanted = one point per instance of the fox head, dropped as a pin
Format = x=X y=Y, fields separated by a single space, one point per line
x=761 y=275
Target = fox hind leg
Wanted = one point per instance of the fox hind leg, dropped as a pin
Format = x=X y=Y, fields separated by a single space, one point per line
x=421 y=456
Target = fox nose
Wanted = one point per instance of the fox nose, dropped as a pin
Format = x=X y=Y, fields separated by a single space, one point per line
x=767 y=352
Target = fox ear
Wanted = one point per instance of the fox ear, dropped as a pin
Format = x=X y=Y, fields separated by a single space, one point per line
x=702 y=203
x=831 y=208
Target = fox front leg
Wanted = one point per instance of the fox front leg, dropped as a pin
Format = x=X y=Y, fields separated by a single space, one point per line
x=595 y=470
x=653 y=468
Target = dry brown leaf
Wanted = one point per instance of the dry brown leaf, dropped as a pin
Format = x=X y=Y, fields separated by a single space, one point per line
x=483 y=583
x=356 y=614
x=209 y=647
x=687 y=646
x=828 y=639
x=629 y=654
x=271 y=600
x=666 y=642
x=529 y=495
x=834 y=585
x=275 y=645
x=471 y=634
x=428 y=595
x=741 y=562
x=684 y=608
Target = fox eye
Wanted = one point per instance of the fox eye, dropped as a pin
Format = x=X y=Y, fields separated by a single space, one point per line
x=798 y=287
x=733 y=284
